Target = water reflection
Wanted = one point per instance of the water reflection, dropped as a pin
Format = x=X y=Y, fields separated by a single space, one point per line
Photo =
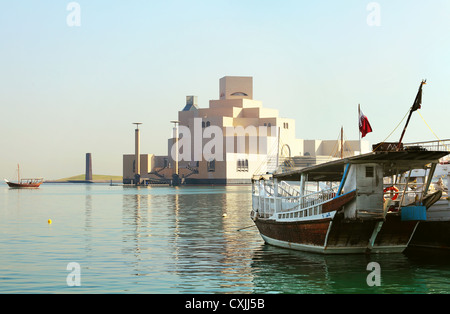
x=191 y=240
x=277 y=270
x=88 y=219
x=283 y=271
x=197 y=243
x=135 y=222
x=207 y=248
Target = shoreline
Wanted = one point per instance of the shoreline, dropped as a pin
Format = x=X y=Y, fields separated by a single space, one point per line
x=83 y=181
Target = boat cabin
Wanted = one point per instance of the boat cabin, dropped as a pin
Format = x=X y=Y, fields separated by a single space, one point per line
x=380 y=179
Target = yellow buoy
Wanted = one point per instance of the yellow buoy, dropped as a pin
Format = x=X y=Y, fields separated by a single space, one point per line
x=49 y=221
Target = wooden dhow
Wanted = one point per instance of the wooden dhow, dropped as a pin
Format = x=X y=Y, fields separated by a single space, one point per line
x=360 y=204
x=24 y=182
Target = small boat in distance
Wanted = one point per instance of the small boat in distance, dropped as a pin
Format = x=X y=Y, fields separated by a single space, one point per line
x=24 y=182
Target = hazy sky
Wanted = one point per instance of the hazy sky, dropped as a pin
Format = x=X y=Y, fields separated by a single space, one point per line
x=68 y=90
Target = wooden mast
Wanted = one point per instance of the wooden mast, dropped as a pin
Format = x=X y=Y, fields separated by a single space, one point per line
x=415 y=106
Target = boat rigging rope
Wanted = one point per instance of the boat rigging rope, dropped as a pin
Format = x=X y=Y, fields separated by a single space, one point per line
x=432 y=130
x=335 y=152
x=391 y=132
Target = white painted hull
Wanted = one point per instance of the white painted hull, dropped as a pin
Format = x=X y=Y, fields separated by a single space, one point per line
x=313 y=248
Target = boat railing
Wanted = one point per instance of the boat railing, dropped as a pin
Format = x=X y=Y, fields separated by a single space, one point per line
x=284 y=189
x=406 y=193
x=31 y=180
x=289 y=190
x=318 y=197
x=266 y=203
x=436 y=145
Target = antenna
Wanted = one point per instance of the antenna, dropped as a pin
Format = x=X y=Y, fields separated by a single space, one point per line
x=137 y=124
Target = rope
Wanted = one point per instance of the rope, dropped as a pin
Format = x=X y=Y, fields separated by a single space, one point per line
x=432 y=130
x=428 y=126
x=335 y=149
x=391 y=132
x=347 y=145
x=246 y=227
x=271 y=155
x=337 y=146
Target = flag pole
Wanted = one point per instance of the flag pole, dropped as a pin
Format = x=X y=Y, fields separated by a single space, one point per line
x=415 y=106
x=359 y=131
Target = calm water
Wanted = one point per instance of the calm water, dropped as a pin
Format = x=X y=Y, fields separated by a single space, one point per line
x=176 y=240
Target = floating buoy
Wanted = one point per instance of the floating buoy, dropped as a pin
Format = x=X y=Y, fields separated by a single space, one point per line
x=49 y=221
x=224 y=215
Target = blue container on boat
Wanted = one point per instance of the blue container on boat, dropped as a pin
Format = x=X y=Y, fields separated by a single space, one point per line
x=414 y=213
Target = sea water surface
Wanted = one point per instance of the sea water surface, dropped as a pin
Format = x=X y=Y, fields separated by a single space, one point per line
x=196 y=240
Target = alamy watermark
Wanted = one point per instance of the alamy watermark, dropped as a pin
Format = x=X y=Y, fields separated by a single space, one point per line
x=374 y=278
x=73 y=279
x=214 y=142
x=374 y=17
x=74 y=17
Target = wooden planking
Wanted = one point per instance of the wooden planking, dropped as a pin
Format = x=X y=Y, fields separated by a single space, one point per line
x=338 y=202
x=309 y=232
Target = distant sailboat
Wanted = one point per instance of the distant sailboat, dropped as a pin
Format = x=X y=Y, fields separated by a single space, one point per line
x=24 y=182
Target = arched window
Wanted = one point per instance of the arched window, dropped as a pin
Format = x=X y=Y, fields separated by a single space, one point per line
x=208 y=124
x=239 y=94
x=242 y=165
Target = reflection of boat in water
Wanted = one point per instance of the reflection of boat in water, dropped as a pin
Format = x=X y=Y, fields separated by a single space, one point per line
x=356 y=214
x=24 y=182
x=276 y=270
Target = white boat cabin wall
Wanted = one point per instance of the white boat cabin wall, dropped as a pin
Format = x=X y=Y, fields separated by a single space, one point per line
x=367 y=178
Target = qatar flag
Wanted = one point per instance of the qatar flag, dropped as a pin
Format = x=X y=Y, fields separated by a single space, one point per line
x=364 y=125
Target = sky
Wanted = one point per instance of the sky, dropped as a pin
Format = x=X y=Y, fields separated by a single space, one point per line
x=74 y=79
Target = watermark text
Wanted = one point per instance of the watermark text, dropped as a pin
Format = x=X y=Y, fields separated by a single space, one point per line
x=74 y=277
x=74 y=17
x=374 y=278
x=374 y=17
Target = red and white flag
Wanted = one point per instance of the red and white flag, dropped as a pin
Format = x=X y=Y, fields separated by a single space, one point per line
x=364 y=125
